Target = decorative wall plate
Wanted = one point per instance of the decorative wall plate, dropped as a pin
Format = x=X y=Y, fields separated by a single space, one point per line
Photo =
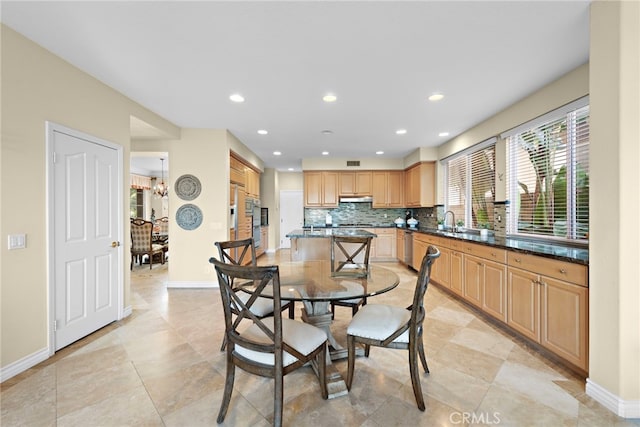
x=189 y=217
x=188 y=187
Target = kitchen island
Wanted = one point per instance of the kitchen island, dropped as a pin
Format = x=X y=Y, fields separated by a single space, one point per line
x=315 y=244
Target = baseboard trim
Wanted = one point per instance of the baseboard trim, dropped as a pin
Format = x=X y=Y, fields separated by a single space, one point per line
x=186 y=285
x=23 y=364
x=127 y=311
x=622 y=408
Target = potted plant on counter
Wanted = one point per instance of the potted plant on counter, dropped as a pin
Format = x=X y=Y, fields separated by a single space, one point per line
x=484 y=229
x=440 y=224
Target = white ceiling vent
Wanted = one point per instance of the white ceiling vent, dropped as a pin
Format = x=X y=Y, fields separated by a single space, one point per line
x=353 y=163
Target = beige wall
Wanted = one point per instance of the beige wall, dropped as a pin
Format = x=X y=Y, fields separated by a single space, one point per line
x=614 y=276
x=38 y=87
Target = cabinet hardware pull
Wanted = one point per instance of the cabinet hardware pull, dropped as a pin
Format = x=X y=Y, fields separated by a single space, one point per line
x=517 y=260
x=493 y=254
x=563 y=271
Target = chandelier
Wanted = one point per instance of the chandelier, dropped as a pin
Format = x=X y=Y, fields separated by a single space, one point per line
x=161 y=190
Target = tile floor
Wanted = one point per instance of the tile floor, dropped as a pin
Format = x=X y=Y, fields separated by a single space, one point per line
x=162 y=366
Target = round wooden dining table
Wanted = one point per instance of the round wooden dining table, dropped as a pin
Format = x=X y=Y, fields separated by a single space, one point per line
x=315 y=285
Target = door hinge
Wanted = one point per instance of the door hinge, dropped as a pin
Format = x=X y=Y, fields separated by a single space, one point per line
x=55 y=325
x=54 y=157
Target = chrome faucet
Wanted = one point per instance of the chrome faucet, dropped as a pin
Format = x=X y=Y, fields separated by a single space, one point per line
x=453 y=224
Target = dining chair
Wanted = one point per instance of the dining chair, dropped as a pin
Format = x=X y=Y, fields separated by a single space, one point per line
x=242 y=252
x=344 y=251
x=142 y=242
x=271 y=346
x=383 y=325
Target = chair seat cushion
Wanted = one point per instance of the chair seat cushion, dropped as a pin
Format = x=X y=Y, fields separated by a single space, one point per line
x=301 y=336
x=262 y=306
x=156 y=247
x=379 y=321
x=350 y=288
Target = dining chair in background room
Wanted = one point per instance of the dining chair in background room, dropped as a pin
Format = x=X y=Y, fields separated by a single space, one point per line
x=271 y=346
x=344 y=261
x=142 y=242
x=383 y=325
x=243 y=252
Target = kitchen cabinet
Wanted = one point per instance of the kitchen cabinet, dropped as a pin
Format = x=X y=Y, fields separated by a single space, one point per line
x=236 y=171
x=321 y=189
x=548 y=302
x=264 y=241
x=456 y=268
x=420 y=188
x=484 y=279
x=252 y=179
x=388 y=189
x=384 y=246
x=400 y=244
x=355 y=183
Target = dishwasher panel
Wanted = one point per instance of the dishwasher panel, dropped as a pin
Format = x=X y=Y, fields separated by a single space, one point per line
x=408 y=248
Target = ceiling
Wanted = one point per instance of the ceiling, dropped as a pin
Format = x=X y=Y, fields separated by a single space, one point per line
x=382 y=59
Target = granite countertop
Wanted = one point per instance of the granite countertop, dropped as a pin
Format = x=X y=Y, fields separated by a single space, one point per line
x=330 y=231
x=578 y=255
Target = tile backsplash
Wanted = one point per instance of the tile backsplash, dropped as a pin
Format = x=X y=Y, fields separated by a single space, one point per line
x=363 y=213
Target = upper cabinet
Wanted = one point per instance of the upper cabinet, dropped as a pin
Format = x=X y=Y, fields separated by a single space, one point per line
x=355 y=183
x=241 y=173
x=252 y=178
x=388 y=189
x=420 y=188
x=321 y=189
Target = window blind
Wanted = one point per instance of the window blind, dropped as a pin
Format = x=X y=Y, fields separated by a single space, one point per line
x=548 y=177
x=470 y=192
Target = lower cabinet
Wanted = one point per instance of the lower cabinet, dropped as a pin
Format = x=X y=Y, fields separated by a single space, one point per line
x=456 y=267
x=400 y=244
x=548 y=309
x=384 y=246
x=544 y=299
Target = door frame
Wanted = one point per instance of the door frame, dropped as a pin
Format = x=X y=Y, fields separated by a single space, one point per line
x=52 y=127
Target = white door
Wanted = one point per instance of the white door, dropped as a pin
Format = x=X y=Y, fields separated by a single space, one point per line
x=86 y=206
x=291 y=215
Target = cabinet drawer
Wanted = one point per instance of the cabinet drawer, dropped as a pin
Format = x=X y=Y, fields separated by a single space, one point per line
x=455 y=244
x=431 y=240
x=561 y=270
x=237 y=177
x=486 y=252
x=380 y=231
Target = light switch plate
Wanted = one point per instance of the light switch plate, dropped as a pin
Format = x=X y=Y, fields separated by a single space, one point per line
x=17 y=241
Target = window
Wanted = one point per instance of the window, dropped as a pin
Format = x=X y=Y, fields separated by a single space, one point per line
x=548 y=175
x=470 y=180
x=136 y=203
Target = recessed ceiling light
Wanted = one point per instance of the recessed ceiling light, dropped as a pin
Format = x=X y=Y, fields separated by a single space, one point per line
x=436 y=97
x=236 y=97
x=329 y=98
x=401 y=131
x=326 y=132
x=262 y=132
x=443 y=134
x=325 y=153
x=379 y=152
x=290 y=169
x=276 y=153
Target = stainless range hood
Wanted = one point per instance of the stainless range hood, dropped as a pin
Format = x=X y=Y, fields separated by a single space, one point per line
x=356 y=199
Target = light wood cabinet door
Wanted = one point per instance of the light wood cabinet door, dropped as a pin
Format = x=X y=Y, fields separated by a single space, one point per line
x=400 y=245
x=355 y=183
x=494 y=290
x=420 y=185
x=564 y=320
x=387 y=189
x=472 y=284
x=313 y=189
x=330 y=189
x=321 y=189
x=456 y=271
x=385 y=244
x=395 y=189
x=347 y=183
x=441 y=270
x=419 y=250
x=523 y=302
